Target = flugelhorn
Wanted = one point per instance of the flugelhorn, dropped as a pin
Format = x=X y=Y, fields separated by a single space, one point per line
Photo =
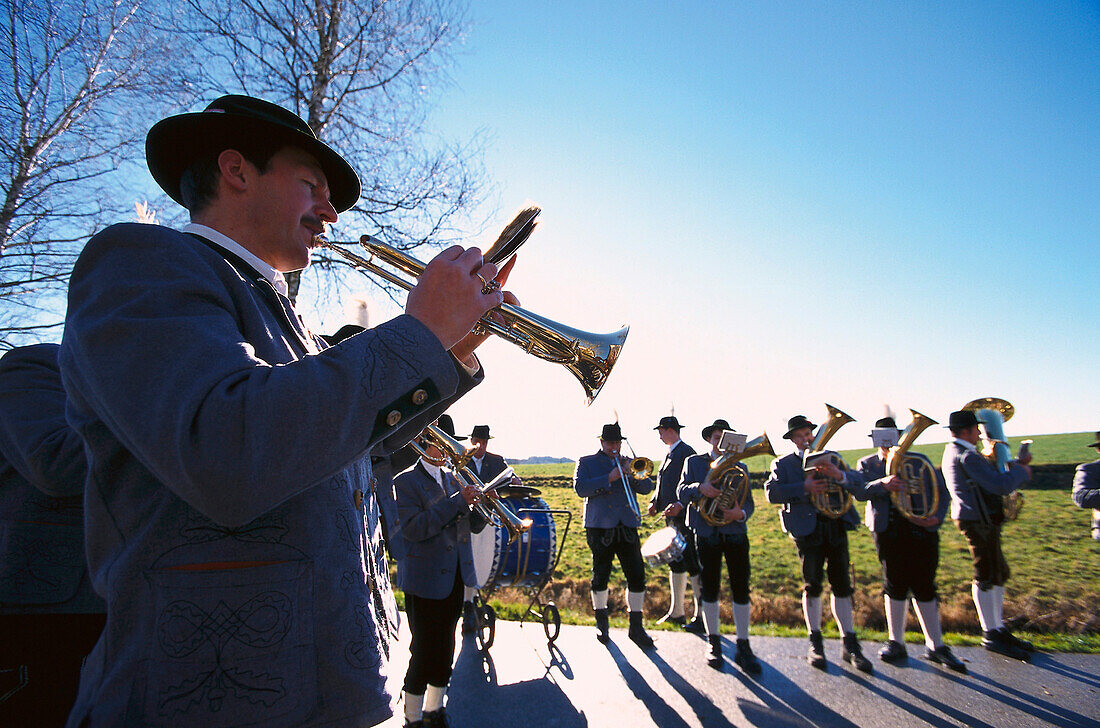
x=726 y=475
x=588 y=357
x=834 y=502
x=993 y=413
x=920 y=496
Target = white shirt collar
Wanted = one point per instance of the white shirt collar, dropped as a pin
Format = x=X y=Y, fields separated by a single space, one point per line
x=967 y=445
x=273 y=276
x=433 y=470
x=673 y=446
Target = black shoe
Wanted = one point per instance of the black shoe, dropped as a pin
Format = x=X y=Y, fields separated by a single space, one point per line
x=414 y=724
x=714 y=652
x=943 y=655
x=745 y=659
x=469 y=618
x=601 y=626
x=680 y=621
x=893 y=652
x=436 y=719
x=853 y=654
x=1016 y=641
x=995 y=641
x=695 y=626
x=637 y=633
x=816 y=655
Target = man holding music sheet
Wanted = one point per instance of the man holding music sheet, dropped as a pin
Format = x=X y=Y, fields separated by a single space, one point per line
x=611 y=521
x=819 y=539
x=977 y=491
x=665 y=502
x=231 y=521
x=729 y=541
x=909 y=551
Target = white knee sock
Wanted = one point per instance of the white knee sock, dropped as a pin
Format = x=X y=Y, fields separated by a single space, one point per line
x=742 y=615
x=983 y=600
x=433 y=698
x=929 y=615
x=599 y=599
x=895 y=618
x=998 y=607
x=696 y=592
x=468 y=593
x=811 y=610
x=678 y=583
x=414 y=707
x=635 y=600
x=710 y=617
x=842 y=613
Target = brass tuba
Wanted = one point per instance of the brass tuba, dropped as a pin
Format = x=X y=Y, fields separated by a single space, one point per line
x=488 y=506
x=726 y=476
x=588 y=357
x=992 y=413
x=834 y=502
x=920 y=498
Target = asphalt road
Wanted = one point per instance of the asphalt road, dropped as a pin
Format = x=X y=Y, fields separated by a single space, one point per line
x=523 y=682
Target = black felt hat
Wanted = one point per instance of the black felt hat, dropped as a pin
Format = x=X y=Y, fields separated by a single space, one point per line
x=961 y=419
x=174 y=143
x=612 y=433
x=669 y=422
x=447 y=425
x=797 y=423
x=1097 y=443
x=481 y=432
x=885 y=422
x=717 y=425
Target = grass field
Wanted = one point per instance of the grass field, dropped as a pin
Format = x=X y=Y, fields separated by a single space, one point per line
x=1053 y=591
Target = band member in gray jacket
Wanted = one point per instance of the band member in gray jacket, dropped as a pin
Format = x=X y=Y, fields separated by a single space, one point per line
x=715 y=542
x=665 y=502
x=977 y=490
x=819 y=539
x=436 y=522
x=50 y=617
x=611 y=521
x=230 y=515
x=909 y=551
x=1086 y=488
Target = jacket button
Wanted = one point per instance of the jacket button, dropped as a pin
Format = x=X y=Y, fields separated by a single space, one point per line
x=393 y=418
x=419 y=397
x=442 y=571
x=450 y=548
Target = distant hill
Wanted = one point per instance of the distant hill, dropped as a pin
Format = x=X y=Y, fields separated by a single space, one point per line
x=539 y=460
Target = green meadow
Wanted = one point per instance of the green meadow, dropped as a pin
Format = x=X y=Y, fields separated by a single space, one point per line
x=1051 y=596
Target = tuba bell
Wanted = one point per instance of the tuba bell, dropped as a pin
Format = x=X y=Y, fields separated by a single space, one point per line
x=920 y=498
x=993 y=413
x=834 y=501
x=728 y=477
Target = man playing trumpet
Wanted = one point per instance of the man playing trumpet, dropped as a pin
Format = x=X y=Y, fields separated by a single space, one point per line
x=909 y=551
x=819 y=539
x=611 y=521
x=715 y=542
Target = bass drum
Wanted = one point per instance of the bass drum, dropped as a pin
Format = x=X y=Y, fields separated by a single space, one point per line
x=526 y=561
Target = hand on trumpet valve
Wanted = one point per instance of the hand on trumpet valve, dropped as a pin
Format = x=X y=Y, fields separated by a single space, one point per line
x=894 y=484
x=451 y=295
x=477 y=336
x=470 y=494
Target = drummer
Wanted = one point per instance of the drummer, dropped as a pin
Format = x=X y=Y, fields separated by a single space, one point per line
x=486 y=466
x=715 y=542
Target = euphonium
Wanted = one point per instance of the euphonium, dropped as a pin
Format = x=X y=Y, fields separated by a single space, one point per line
x=487 y=506
x=588 y=357
x=834 y=502
x=993 y=413
x=726 y=476
x=920 y=498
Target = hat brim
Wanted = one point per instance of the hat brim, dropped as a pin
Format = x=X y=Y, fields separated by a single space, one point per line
x=174 y=143
x=1095 y=444
x=800 y=427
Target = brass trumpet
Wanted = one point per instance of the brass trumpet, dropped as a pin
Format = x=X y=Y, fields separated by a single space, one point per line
x=726 y=476
x=458 y=455
x=920 y=498
x=588 y=357
x=834 y=502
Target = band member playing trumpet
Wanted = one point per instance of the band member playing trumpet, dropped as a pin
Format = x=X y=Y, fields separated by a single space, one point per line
x=976 y=488
x=665 y=502
x=729 y=541
x=436 y=522
x=909 y=551
x=1086 y=488
x=611 y=521
x=819 y=539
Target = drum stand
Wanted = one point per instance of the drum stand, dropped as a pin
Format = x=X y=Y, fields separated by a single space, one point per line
x=548 y=614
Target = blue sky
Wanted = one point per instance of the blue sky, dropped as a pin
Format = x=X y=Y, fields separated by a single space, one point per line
x=868 y=204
